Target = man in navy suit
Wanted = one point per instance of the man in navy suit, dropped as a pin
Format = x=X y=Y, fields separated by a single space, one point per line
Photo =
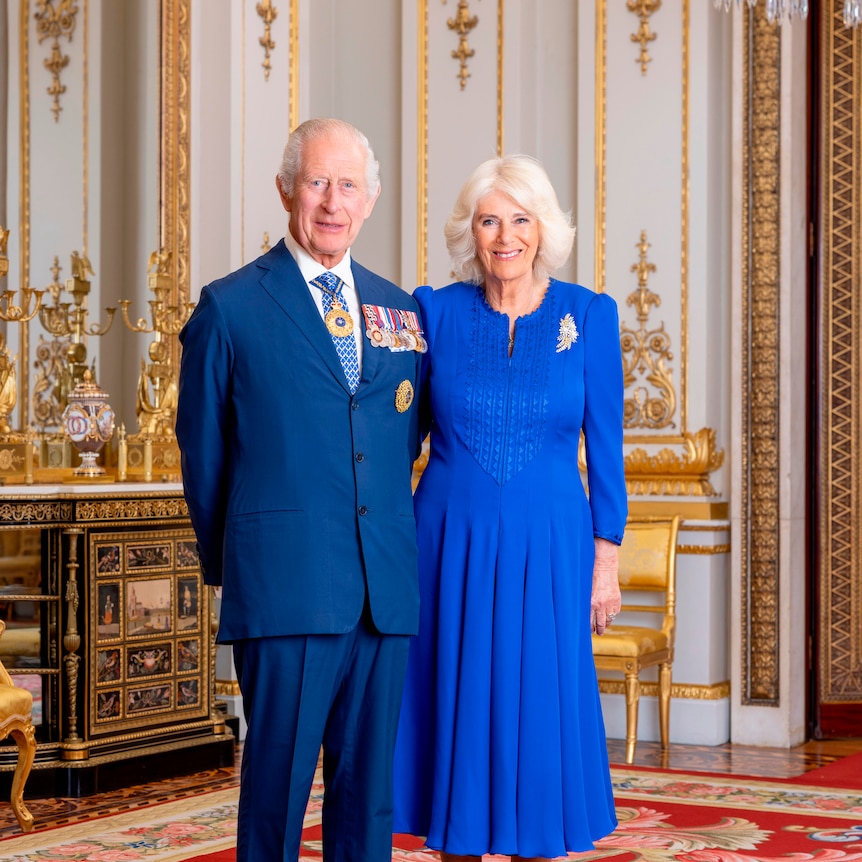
x=298 y=429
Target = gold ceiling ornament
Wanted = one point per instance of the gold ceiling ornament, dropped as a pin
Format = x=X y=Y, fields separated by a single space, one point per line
x=643 y=9
x=777 y=10
x=54 y=23
x=268 y=13
x=462 y=24
x=645 y=354
x=669 y=473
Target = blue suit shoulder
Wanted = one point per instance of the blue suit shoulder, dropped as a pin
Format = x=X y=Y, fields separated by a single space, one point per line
x=226 y=287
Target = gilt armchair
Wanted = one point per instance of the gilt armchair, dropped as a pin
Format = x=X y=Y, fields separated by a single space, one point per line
x=643 y=636
x=16 y=705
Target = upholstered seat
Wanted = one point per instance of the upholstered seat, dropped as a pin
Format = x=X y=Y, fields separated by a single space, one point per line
x=16 y=706
x=647 y=566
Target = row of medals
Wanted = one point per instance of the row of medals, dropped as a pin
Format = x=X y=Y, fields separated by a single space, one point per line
x=340 y=323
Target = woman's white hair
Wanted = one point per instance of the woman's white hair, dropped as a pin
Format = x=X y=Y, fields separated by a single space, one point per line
x=524 y=180
x=324 y=127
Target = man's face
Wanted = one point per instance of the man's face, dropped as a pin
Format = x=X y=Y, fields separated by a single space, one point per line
x=330 y=201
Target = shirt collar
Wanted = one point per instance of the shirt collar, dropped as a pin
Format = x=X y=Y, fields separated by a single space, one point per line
x=310 y=268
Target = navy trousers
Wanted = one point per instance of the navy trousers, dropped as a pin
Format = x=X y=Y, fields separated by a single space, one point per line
x=301 y=693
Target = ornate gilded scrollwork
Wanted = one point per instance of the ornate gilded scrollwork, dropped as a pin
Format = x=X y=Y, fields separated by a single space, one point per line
x=54 y=23
x=669 y=473
x=643 y=9
x=268 y=14
x=462 y=24
x=645 y=353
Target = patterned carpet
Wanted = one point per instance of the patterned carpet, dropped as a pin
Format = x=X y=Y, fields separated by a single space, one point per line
x=664 y=817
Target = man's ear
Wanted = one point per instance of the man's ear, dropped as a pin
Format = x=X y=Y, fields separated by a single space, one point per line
x=286 y=200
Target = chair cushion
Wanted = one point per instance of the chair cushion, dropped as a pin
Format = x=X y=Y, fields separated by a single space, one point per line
x=629 y=641
x=14 y=701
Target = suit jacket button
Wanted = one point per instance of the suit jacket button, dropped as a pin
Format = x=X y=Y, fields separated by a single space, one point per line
x=360 y=456
x=363 y=510
x=354 y=405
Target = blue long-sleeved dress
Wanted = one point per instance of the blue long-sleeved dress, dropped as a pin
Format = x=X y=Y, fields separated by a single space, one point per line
x=501 y=744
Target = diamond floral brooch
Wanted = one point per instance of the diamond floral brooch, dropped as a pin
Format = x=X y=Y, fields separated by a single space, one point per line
x=568 y=333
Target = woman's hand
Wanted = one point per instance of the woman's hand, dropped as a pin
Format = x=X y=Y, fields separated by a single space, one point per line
x=605 y=600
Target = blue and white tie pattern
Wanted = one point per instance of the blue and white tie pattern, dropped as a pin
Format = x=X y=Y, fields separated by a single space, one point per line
x=345 y=345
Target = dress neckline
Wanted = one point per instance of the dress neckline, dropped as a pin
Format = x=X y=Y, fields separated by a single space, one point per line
x=534 y=313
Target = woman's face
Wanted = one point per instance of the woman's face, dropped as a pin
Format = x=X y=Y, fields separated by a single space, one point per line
x=507 y=237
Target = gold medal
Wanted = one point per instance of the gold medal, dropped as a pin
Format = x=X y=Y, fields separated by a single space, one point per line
x=338 y=320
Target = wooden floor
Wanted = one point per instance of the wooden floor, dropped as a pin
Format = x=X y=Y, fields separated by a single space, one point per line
x=720 y=759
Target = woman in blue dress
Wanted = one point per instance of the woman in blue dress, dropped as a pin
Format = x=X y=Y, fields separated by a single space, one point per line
x=501 y=744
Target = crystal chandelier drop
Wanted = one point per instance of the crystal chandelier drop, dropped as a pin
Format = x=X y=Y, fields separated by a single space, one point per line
x=777 y=10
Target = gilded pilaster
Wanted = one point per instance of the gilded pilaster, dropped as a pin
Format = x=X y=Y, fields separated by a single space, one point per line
x=759 y=449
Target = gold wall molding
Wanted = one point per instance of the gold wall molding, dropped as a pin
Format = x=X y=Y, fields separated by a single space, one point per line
x=422 y=145
x=293 y=108
x=268 y=13
x=669 y=473
x=601 y=190
x=55 y=23
x=760 y=369
x=839 y=673
x=462 y=24
x=678 y=690
x=600 y=216
x=645 y=356
x=643 y=9
x=422 y=156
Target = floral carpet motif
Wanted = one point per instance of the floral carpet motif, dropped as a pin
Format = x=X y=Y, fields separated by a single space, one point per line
x=663 y=817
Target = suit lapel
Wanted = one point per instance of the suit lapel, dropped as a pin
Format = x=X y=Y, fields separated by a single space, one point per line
x=283 y=281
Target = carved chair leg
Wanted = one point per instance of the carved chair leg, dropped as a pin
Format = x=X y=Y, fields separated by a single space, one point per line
x=26 y=740
x=632 y=696
x=664 y=704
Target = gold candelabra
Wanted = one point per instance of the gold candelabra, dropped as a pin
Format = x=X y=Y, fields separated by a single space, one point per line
x=69 y=320
x=12 y=313
x=157 y=383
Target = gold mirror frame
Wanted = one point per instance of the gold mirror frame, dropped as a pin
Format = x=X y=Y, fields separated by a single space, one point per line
x=175 y=206
x=174 y=143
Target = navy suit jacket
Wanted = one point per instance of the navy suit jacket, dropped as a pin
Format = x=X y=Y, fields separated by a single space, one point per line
x=299 y=492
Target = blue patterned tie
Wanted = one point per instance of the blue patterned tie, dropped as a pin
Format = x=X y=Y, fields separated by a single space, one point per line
x=345 y=345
